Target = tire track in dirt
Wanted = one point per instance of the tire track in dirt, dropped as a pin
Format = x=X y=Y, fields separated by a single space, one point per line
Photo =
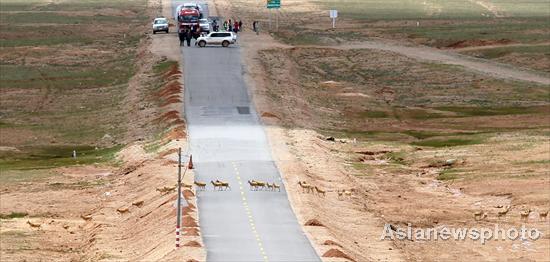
x=434 y=55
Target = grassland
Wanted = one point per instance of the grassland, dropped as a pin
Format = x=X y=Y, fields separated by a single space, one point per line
x=65 y=70
x=436 y=23
x=386 y=97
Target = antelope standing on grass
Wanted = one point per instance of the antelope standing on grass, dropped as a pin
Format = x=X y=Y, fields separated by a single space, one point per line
x=503 y=211
x=35 y=225
x=200 y=185
x=123 y=210
x=344 y=193
x=165 y=190
x=543 y=215
x=306 y=188
x=479 y=215
x=524 y=215
x=320 y=191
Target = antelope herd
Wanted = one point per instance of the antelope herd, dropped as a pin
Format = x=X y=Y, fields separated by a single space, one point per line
x=308 y=188
x=503 y=211
x=260 y=185
x=257 y=185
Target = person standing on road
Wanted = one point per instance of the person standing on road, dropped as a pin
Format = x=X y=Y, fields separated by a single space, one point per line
x=229 y=26
x=193 y=34
x=188 y=37
x=236 y=27
x=240 y=25
x=214 y=26
x=181 y=35
x=225 y=25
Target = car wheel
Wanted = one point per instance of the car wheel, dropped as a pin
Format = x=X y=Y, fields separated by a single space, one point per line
x=167 y=31
x=154 y=32
x=225 y=43
x=202 y=43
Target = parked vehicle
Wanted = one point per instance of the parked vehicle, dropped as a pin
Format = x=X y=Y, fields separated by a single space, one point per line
x=160 y=24
x=205 y=25
x=217 y=38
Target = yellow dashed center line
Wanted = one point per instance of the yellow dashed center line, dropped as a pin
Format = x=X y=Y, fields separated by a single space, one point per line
x=250 y=218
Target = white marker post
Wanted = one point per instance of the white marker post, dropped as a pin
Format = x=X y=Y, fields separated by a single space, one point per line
x=333 y=15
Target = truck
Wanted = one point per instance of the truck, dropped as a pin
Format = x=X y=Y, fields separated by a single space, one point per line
x=188 y=16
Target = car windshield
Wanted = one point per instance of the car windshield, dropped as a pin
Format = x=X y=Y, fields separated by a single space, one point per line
x=160 y=21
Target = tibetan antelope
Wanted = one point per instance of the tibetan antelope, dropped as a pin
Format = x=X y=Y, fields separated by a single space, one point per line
x=524 y=215
x=543 y=215
x=221 y=185
x=503 y=211
x=200 y=185
x=123 y=210
x=306 y=188
x=35 y=225
x=273 y=186
x=320 y=191
x=165 y=190
x=344 y=193
x=256 y=185
x=479 y=215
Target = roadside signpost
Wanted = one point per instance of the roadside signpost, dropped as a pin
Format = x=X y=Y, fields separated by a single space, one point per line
x=274 y=4
x=333 y=15
x=179 y=204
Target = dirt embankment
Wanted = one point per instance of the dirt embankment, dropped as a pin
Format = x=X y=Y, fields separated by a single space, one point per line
x=124 y=211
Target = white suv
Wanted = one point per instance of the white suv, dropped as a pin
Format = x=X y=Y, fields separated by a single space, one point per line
x=216 y=38
x=160 y=24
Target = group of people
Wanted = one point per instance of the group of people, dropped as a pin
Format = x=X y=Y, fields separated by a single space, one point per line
x=186 y=34
x=235 y=27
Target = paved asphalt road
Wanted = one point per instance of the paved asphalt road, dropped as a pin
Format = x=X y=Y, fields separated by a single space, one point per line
x=228 y=143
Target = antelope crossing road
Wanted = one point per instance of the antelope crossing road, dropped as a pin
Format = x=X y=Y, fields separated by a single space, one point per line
x=228 y=143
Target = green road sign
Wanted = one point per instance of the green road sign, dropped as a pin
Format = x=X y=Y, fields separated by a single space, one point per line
x=273 y=3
